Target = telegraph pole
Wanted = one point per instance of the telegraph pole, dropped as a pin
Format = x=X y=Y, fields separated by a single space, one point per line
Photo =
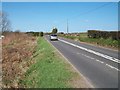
x=67 y=26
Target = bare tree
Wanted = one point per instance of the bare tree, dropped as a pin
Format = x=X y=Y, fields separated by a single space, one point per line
x=5 y=25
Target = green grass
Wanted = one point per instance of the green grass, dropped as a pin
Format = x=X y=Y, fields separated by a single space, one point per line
x=99 y=41
x=69 y=37
x=49 y=71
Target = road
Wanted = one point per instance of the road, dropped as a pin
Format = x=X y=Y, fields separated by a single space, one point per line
x=98 y=65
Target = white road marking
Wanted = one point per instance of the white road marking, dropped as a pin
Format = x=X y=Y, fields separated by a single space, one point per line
x=99 y=61
x=78 y=53
x=90 y=57
x=97 y=53
x=94 y=52
x=112 y=67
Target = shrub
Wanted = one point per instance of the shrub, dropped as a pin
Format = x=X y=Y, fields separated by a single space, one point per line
x=115 y=35
x=104 y=34
x=94 y=34
x=41 y=34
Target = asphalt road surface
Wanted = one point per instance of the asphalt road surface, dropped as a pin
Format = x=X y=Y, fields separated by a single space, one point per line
x=98 y=65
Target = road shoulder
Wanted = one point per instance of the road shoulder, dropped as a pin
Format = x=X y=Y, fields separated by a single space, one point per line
x=78 y=81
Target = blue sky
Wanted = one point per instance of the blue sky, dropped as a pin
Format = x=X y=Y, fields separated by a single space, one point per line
x=43 y=16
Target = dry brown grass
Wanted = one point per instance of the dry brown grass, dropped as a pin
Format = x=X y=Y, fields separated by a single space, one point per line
x=17 y=50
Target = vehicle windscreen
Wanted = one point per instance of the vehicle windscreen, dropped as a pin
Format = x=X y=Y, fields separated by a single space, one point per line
x=53 y=35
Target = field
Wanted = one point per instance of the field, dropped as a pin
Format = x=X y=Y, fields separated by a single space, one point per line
x=114 y=44
x=31 y=62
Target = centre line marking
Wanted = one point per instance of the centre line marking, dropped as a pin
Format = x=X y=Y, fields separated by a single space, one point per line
x=94 y=52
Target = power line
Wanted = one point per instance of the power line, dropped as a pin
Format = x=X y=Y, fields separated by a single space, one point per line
x=87 y=12
x=90 y=11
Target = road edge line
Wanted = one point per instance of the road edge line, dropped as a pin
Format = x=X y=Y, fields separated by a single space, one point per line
x=95 y=45
x=92 y=51
x=87 y=81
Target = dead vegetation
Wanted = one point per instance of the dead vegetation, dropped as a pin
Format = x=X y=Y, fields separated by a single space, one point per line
x=17 y=51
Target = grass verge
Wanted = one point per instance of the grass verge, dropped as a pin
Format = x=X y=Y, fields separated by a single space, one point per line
x=97 y=41
x=50 y=70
